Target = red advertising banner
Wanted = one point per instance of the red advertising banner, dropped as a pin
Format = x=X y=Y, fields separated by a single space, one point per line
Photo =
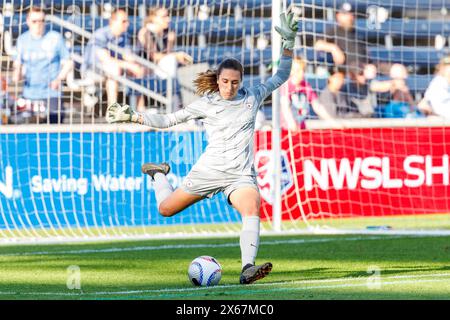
x=358 y=172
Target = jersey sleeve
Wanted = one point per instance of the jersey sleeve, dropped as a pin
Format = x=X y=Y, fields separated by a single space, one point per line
x=263 y=90
x=197 y=109
x=162 y=121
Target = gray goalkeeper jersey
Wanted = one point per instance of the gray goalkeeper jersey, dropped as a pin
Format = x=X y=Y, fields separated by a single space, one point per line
x=229 y=124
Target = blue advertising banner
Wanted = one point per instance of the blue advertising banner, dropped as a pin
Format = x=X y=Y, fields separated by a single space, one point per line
x=94 y=179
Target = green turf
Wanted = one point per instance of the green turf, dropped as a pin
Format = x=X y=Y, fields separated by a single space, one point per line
x=305 y=267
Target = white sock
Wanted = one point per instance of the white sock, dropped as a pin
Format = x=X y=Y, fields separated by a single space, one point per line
x=163 y=189
x=249 y=240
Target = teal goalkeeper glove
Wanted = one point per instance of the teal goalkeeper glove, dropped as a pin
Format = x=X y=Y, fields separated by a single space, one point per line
x=118 y=113
x=288 y=30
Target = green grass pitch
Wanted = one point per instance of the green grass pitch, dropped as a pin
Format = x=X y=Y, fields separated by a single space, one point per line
x=305 y=267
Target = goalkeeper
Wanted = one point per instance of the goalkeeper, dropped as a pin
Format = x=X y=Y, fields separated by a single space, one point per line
x=228 y=113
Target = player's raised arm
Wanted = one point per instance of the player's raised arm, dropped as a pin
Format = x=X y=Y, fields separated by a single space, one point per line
x=288 y=31
x=117 y=113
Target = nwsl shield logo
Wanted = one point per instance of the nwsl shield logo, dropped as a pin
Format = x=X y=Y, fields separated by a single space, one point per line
x=264 y=166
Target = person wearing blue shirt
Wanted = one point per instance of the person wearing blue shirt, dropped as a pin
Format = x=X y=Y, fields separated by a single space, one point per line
x=43 y=62
x=100 y=59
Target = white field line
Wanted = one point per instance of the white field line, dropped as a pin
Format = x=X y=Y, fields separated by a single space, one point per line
x=316 y=230
x=202 y=245
x=333 y=283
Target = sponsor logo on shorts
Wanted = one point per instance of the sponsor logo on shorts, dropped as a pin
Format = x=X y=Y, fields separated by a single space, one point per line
x=264 y=166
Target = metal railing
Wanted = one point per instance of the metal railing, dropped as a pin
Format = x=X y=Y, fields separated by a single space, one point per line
x=166 y=100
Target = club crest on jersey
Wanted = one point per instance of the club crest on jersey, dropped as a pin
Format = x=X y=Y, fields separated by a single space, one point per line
x=264 y=166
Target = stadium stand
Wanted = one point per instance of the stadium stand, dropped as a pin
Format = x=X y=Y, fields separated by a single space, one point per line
x=406 y=36
x=224 y=26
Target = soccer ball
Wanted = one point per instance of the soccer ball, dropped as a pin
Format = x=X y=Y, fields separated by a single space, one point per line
x=205 y=271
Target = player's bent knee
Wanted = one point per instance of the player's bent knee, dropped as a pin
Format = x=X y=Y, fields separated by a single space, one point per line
x=166 y=210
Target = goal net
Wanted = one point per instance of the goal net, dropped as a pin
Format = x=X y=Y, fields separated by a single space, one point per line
x=74 y=177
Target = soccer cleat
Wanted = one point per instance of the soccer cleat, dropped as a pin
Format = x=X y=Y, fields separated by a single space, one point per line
x=250 y=273
x=152 y=168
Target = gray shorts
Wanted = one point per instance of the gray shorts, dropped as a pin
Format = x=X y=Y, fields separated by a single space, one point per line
x=209 y=183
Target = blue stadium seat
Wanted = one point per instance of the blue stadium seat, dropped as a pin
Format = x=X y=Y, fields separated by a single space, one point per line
x=226 y=27
x=216 y=26
x=419 y=56
x=362 y=5
x=17 y=23
x=406 y=28
x=152 y=83
x=215 y=54
x=222 y=26
x=422 y=56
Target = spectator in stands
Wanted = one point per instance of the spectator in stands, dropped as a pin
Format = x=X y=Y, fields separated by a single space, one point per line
x=157 y=43
x=350 y=53
x=342 y=41
x=360 y=102
x=400 y=102
x=437 y=95
x=43 y=61
x=297 y=99
x=332 y=98
x=100 y=59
